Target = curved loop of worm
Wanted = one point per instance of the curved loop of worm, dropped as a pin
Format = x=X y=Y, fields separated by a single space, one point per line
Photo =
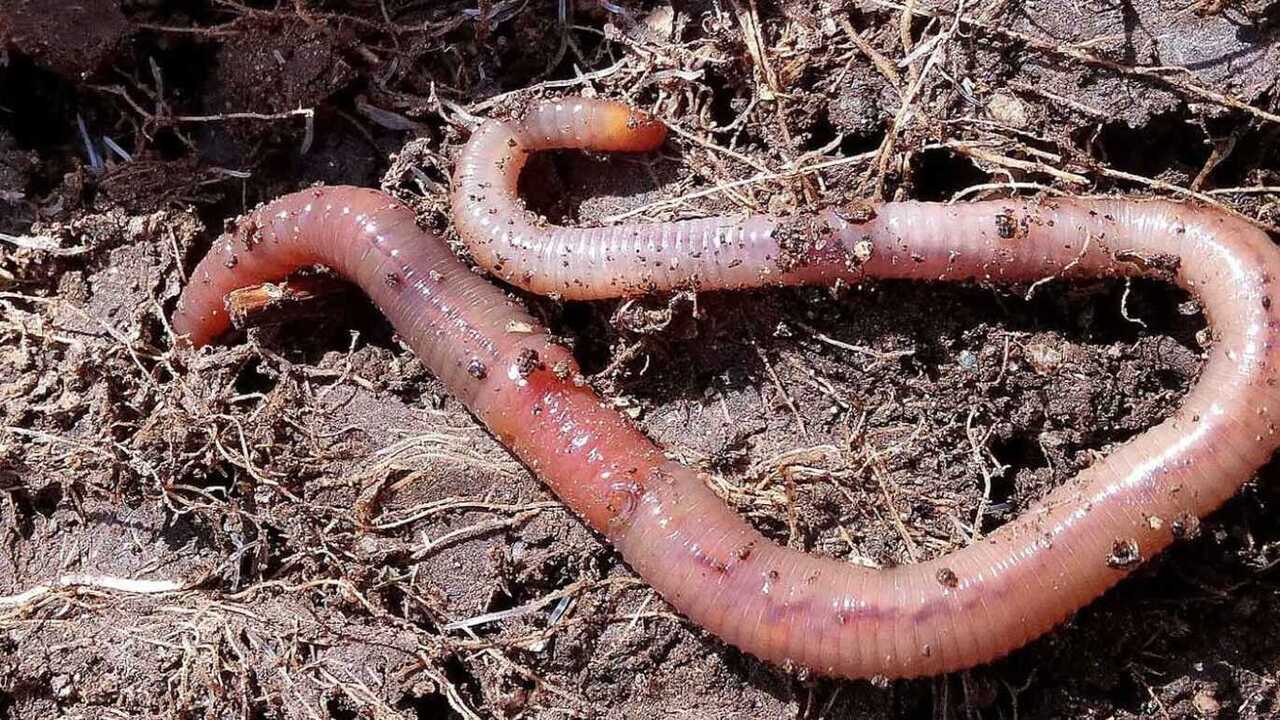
x=993 y=596
x=965 y=608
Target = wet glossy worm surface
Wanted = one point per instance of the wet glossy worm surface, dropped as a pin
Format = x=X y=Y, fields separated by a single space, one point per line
x=959 y=610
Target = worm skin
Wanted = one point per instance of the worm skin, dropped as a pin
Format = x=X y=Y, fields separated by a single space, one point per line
x=977 y=603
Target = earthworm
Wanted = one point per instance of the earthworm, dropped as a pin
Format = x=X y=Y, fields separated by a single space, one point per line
x=962 y=609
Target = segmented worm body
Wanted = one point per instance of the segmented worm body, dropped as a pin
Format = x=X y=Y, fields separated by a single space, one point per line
x=968 y=607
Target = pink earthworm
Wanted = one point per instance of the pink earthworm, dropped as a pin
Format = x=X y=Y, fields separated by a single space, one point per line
x=965 y=608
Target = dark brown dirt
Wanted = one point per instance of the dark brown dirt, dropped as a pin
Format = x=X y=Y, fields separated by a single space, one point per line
x=866 y=423
x=74 y=39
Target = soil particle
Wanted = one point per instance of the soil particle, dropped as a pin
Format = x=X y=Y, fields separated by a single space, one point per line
x=1125 y=555
x=15 y=167
x=74 y=39
x=276 y=66
x=1223 y=50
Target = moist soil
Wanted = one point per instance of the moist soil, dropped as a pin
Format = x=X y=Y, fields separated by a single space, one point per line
x=192 y=534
